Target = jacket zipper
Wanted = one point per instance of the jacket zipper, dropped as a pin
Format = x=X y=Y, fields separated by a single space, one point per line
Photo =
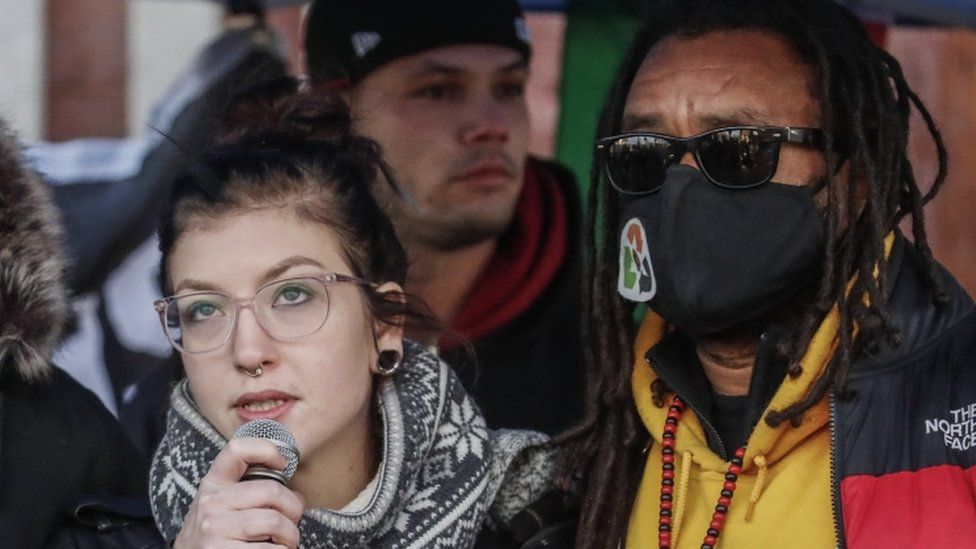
x=701 y=418
x=712 y=430
x=835 y=508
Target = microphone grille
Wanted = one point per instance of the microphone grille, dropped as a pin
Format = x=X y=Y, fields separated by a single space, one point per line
x=278 y=434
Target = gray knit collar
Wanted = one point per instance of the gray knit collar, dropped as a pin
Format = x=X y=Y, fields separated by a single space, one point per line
x=434 y=484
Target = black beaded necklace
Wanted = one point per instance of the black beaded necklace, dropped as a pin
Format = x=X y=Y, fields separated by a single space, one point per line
x=667 y=483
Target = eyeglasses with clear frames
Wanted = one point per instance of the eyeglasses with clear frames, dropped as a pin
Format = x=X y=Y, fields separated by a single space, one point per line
x=286 y=309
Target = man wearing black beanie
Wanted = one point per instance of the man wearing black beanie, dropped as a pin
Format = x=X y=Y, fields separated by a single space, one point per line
x=492 y=234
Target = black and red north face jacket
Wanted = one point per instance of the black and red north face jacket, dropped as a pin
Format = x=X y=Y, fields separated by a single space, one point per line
x=904 y=447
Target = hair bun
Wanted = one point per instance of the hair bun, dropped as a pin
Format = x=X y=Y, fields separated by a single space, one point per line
x=278 y=115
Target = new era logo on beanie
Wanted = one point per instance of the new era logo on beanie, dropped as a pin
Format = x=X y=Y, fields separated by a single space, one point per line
x=364 y=42
x=347 y=39
x=522 y=30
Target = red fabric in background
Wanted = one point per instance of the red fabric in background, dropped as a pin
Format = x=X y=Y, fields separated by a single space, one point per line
x=931 y=507
x=878 y=32
x=528 y=257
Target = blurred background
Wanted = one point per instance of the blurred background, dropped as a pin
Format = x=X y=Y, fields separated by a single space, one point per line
x=81 y=81
x=95 y=68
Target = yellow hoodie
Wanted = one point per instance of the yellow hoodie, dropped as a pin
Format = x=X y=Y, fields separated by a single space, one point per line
x=783 y=495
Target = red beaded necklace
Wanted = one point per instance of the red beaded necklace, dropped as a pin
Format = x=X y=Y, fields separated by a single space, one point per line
x=667 y=483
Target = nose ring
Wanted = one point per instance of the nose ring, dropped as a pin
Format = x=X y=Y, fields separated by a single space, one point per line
x=252 y=373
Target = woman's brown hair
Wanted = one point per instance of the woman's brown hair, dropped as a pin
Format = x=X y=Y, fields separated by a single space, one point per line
x=280 y=147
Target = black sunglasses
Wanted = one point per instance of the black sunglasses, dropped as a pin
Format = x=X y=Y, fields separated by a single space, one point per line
x=735 y=157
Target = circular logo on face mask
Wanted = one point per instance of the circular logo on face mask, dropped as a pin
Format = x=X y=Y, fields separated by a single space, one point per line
x=636 y=279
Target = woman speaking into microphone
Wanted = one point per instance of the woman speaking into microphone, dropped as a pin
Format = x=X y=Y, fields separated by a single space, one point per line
x=286 y=304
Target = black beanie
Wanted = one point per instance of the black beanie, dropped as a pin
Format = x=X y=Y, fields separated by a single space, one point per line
x=347 y=39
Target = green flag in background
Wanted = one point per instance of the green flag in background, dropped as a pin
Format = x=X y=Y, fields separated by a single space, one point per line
x=597 y=35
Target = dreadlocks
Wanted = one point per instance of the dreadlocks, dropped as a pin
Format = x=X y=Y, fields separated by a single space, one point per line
x=865 y=105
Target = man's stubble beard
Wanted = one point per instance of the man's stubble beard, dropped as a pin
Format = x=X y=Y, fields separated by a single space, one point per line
x=434 y=229
x=422 y=223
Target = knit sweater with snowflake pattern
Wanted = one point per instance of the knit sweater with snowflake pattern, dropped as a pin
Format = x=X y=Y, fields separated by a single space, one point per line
x=442 y=479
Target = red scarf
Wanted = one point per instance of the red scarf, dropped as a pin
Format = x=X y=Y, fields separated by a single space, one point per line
x=527 y=259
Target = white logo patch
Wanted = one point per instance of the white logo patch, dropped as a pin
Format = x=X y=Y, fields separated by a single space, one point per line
x=365 y=42
x=959 y=433
x=636 y=280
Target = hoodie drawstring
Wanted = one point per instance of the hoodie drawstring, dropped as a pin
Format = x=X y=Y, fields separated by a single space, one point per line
x=681 y=496
x=760 y=462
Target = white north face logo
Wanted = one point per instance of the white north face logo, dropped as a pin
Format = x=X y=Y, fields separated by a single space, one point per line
x=959 y=430
x=365 y=42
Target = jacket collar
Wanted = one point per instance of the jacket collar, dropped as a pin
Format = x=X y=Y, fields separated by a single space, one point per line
x=675 y=361
x=772 y=443
x=910 y=307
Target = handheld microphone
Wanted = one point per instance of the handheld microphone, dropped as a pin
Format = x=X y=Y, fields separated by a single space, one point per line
x=278 y=434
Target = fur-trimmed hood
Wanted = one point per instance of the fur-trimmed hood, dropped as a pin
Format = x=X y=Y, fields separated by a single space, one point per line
x=34 y=304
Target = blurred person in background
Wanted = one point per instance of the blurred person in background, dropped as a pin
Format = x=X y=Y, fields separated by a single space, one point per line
x=492 y=234
x=69 y=477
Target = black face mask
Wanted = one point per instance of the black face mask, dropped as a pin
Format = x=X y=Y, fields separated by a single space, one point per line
x=709 y=259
